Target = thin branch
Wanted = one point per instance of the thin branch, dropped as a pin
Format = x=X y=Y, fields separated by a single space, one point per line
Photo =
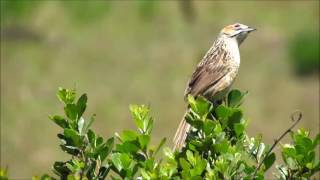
x=296 y=120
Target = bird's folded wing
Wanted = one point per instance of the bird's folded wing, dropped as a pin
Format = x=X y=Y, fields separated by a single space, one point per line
x=208 y=74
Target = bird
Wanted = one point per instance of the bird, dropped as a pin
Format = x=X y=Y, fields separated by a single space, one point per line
x=215 y=73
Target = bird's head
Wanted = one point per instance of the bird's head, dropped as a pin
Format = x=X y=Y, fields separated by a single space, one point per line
x=237 y=31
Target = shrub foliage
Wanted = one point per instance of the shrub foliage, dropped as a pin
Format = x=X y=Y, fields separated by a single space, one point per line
x=217 y=147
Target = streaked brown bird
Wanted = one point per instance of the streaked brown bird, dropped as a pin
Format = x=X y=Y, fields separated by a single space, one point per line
x=215 y=73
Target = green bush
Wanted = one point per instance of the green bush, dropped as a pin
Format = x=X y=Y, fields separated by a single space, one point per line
x=304 y=53
x=217 y=147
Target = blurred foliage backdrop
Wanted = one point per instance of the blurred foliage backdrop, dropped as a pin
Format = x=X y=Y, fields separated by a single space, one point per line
x=144 y=52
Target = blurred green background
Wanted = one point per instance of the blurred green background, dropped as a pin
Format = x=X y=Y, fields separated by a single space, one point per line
x=144 y=52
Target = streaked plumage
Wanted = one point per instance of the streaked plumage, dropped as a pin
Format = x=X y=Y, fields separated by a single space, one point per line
x=216 y=71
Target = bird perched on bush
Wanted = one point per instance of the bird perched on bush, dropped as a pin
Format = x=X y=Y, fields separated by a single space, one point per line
x=216 y=72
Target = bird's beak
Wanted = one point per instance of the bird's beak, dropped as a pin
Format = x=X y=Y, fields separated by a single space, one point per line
x=249 y=29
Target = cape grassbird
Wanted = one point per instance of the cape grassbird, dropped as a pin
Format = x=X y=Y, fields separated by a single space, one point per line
x=216 y=72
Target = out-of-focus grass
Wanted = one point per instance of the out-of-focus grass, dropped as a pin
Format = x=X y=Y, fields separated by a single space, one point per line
x=120 y=57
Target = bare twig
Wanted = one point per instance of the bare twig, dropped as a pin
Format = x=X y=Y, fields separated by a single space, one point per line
x=296 y=120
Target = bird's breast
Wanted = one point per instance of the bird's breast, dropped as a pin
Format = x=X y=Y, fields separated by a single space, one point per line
x=233 y=49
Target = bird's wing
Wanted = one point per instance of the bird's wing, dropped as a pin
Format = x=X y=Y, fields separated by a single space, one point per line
x=208 y=73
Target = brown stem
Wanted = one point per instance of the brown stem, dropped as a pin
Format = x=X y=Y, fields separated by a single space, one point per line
x=296 y=121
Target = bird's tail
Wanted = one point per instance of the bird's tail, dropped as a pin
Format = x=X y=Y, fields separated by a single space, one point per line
x=181 y=133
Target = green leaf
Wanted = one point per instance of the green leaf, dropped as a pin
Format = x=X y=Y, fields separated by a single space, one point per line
x=302 y=132
x=71 y=111
x=121 y=161
x=99 y=141
x=307 y=143
x=145 y=174
x=291 y=163
x=309 y=166
x=46 y=177
x=208 y=127
x=162 y=142
x=198 y=124
x=203 y=106
x=142 y=119
x=82 y=104
x=235 y=98
x=104 y=149
x=70 y=149
x=73 y=135
x=127 y=147
x=88 y=124
x=149 y=164
x=217 y=129
x=199 y=167
x=310 y=157
x=103 y=172
x=92 y=137
x=200 y=106
x=260 y=148
x=317 y=166
x=148 y=124
x=288 y=151
x=239 y=129
x=191 y=158
x=222 y=112
x=128 y=135
x=316 y=141
x=192 y=102
x=116 y=160
x=235 y=117
x=71 y=167
x=222 y=147
x=268 y=162
x=66 y=96
x=184 y=164
x=60 y=169
x=60 y=121
x=136 y=116
x=168 y=153
x=144 y=141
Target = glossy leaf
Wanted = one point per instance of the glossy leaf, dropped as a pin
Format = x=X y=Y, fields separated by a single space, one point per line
x=222 y=147
x=71 y=111
x=88 y=124
x=92 y=137
x=200 y=105
x=66 y=95
x=144 y=141
x=127 y=147
x=222 y=112
x=235 y=98
x=104 y=149
x=60 y=168
x=60 y=121
x=239 y=129
x=235 y=117
x=121 y=160
x=128 y=135
x=74 y=136
x=82 y=104
x=184 y=164
x=268 y=162
x=208 y=127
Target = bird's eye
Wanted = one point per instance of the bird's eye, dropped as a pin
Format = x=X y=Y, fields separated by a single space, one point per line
x=237 y=25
